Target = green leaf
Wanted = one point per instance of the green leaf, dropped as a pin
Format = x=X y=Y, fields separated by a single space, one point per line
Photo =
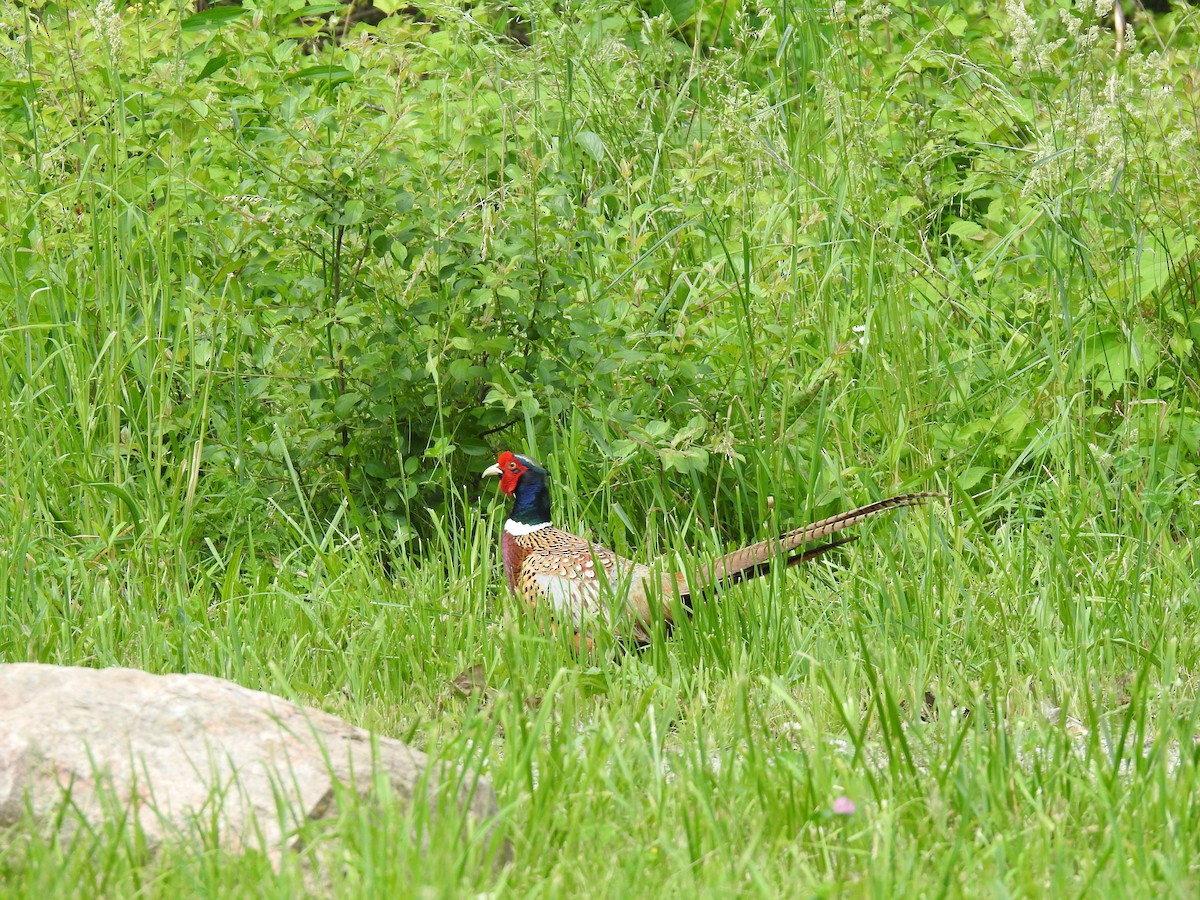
x=901 y=207
x=684 y=461
x=681 y=10
x=1012 y=424
x=591 y=144
x=1156 y=265
x=213 y=66
x=1107 y=358
x=967 y=230
x=213 y=17
x=622 y=448
x=125 y=497
x=352 y=213
x=330 y=74
x=971 y=477
x=343 y=406
x=460 y=369
x=317 y=9
x=24 y=89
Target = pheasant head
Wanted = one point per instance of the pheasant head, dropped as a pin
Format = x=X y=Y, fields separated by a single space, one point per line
x=527 y=483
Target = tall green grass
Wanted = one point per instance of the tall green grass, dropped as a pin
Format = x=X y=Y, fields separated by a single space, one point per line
x=821 y=260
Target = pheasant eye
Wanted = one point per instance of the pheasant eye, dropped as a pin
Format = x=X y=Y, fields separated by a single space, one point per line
x=512 y=467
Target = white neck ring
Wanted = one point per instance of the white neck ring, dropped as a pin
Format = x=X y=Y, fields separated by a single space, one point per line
x=517 y=529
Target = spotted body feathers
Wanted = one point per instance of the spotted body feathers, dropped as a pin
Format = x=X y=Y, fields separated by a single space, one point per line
x=580 y=583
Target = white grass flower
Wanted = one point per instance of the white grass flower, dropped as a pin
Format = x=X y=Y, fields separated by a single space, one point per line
x=14 y=54
x=1029 y=52
x=1180 y=139
x=1024 y=29
x=1073 y=24
x=1088 y=39
x=1048 y=169
x=1112 y=88
x=12 y=41
x=107 y=22
x=874 y=11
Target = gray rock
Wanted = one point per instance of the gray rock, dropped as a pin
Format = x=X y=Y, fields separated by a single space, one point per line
x=182 y=750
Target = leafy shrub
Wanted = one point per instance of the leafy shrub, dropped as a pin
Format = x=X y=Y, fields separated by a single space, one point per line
x=353 y=272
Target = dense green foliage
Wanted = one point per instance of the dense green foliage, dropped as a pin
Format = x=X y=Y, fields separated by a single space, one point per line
x=271 y=303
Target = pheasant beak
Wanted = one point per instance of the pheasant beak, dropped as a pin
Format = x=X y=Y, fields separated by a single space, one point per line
x=510 y=468
x=491 y=471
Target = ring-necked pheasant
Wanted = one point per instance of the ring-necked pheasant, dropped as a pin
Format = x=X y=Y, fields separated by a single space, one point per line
x=584 y=582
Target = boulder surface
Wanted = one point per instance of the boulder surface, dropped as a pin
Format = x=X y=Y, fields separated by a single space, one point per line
x=177 y=749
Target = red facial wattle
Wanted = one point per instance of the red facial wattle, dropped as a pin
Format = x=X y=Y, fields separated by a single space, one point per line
x=511 y=470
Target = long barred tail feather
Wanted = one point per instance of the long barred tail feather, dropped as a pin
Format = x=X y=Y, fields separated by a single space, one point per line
x=757 y=559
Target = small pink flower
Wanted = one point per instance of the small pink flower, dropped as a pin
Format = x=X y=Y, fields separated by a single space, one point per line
x=844 y=806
